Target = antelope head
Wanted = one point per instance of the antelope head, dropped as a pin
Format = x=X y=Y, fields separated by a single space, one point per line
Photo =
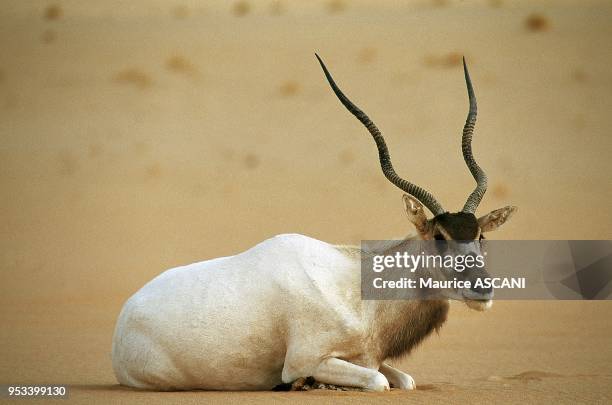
x=463 y=227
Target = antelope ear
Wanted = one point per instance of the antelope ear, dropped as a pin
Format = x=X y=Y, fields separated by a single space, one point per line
x=496 y=218
x=416 y=214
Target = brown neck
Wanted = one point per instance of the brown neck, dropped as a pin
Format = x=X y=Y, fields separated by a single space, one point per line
x=399 y=326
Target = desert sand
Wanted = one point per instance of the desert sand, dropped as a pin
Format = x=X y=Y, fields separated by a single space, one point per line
x=140 y=136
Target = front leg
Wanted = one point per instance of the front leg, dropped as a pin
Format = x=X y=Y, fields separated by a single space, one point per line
x=339 y=372
x=397 y=378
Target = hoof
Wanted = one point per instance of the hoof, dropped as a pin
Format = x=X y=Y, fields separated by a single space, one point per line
x=378 y=383
x=406 y=382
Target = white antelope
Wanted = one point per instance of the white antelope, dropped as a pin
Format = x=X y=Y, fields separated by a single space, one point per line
x=291 y=307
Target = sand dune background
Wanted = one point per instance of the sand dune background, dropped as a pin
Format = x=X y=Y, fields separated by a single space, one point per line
x=143 y=135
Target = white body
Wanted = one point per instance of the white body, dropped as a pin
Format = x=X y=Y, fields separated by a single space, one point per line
x=289 y=307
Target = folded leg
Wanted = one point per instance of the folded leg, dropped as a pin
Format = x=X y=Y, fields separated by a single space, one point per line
x=340 y=372
x=397 y=378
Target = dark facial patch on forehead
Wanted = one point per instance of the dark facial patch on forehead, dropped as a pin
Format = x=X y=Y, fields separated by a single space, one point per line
x=459 y=225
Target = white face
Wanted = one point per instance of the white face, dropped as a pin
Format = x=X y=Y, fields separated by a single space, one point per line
x=475 y=297
x=467 y=231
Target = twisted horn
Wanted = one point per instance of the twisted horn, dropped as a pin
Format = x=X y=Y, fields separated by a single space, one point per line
x=466 y=146
x=383 y=153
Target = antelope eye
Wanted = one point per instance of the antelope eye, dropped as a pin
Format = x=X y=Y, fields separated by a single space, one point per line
x=439 y=237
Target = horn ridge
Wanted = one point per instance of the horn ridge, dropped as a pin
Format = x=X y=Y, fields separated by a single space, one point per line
x=466 y=147
x=383 y=152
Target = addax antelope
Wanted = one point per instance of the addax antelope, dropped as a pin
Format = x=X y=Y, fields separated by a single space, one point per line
x=291 y=306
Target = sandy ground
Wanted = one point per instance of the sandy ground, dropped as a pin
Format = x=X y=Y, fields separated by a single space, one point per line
x=144 y=136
